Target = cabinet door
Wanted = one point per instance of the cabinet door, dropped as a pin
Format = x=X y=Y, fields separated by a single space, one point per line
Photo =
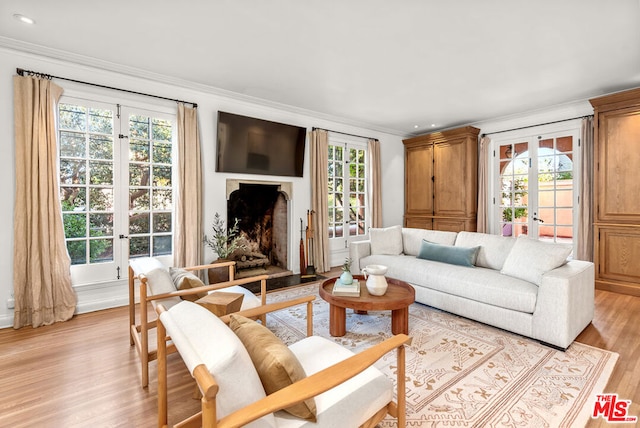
x=419 y=179
x=450 y=184
x=618 y=252
x=618 y=157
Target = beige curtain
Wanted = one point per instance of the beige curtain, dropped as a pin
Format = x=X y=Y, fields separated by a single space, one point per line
x=483 y=184
x=585 y=225
x=375 y=192
x=319 y=198
x=41 y=265
x=188 y=228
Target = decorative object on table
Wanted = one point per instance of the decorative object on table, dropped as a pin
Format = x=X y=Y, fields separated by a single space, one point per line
x=223 y=242
x=346 y=277
x=310 y=271
x=346 y=290
x=376 y=282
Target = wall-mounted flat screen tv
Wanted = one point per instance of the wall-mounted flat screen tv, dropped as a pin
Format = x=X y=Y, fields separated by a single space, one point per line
x=255 y=146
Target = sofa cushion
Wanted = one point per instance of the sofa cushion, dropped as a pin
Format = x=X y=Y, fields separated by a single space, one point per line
x=202 y=338
x=461 y=256
x=412 y=239
x=145 y=264
x=184 y=280
x=529 y=259
x=277 y=366
x=386 y=241
x=494 y=249
x=480 y=284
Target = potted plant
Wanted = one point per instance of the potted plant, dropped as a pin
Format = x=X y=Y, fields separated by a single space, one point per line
x=223 y=242
x=346 y=277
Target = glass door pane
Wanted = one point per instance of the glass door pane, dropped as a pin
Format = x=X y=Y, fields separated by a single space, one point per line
x=554 y=215
x=514 y=189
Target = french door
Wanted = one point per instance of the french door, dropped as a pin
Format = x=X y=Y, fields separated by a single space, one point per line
x=116 y=186
x=535 y=186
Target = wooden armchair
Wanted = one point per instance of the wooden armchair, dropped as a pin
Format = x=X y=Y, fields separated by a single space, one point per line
x=155 y=285
x=348 y=390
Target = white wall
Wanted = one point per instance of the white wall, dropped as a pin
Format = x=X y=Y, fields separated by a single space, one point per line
x=209 y=102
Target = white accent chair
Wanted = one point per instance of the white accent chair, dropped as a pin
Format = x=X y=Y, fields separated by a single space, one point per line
x=156 y=286
x=348 y=390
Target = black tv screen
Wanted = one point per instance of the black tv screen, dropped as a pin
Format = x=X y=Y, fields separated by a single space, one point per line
x=256 y=146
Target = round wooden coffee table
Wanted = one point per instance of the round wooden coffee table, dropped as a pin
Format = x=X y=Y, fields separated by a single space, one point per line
x=397 y=299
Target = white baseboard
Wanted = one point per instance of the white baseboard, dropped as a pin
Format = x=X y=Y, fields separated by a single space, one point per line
x=91 y=298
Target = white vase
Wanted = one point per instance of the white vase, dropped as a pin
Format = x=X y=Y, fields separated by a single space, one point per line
x=376 y=282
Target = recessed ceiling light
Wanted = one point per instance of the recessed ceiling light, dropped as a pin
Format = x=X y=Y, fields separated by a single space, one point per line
x=24 y=19
x=433 y=125
x=416 y=126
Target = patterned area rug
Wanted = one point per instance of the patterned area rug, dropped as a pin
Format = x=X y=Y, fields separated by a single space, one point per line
x=465 y=374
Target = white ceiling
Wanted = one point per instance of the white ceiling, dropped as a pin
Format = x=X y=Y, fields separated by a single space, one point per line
x=382 y=64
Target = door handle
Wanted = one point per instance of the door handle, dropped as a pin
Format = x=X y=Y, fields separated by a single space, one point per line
x=538 y=219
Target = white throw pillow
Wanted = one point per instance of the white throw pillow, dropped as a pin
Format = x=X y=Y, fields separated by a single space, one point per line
x=387 y=240
x=529 y=259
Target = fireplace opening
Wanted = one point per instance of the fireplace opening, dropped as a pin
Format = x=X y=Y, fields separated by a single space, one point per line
x=261 y=210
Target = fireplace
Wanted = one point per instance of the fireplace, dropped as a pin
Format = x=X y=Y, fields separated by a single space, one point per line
x=262 y=210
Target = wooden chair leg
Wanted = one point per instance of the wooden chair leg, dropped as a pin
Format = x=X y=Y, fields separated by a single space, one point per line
x=400 y=389
x=162 y=376
x=144 y=335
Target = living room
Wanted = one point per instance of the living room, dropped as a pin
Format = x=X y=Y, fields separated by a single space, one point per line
x=20 y=49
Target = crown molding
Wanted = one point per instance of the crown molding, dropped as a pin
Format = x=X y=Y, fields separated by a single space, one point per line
x=86 y=61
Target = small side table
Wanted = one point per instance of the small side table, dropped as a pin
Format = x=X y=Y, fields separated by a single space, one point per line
x=222 y=303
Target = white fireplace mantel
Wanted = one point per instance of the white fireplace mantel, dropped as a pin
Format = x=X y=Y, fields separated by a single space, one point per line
x=286 y=187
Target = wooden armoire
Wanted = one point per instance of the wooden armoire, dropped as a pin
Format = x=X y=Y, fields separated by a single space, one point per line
x=616 y=192
x=441 y=180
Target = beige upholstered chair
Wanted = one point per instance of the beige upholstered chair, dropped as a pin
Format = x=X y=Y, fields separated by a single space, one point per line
x=156 y=285
x=347 y=391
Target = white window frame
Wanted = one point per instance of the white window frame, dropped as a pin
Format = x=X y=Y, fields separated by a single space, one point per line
x=339 y=246
x=116 y=271
x=531 y=135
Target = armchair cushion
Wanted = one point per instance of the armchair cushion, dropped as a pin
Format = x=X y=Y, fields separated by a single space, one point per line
x=277 y=366
x=159 y=282
x=223 y=354
x=183 y=279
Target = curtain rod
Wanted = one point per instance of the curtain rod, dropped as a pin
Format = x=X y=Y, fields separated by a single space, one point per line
x=343 y=133
x=539 y=124
x=22 y=72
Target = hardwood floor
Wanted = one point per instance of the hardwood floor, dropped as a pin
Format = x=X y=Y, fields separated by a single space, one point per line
x=83 y=373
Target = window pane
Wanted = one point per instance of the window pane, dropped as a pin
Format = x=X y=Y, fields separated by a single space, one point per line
x=162 y=200
x=161 y=130
x=72 y=144
x=138 y=175
x=72 y=117
x=162 y=176
x=101 y=250
x=139 y=246
x=162 y=222
x=139 y=126
x=139 y=223
x=101 y=121
x=101 y=224
x=101 y=147
x=101 y=172
x=73 y=198
x=75 y=225
x=73 y=171
x=161 y=245
x=139 y=150
x=162 y=152
x=139 y=199
x=77 y=252
x=101 y=199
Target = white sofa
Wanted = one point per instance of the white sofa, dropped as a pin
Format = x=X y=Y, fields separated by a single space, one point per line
x=517 y=284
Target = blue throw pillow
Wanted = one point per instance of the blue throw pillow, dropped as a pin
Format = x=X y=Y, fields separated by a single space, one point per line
x=461 y=256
